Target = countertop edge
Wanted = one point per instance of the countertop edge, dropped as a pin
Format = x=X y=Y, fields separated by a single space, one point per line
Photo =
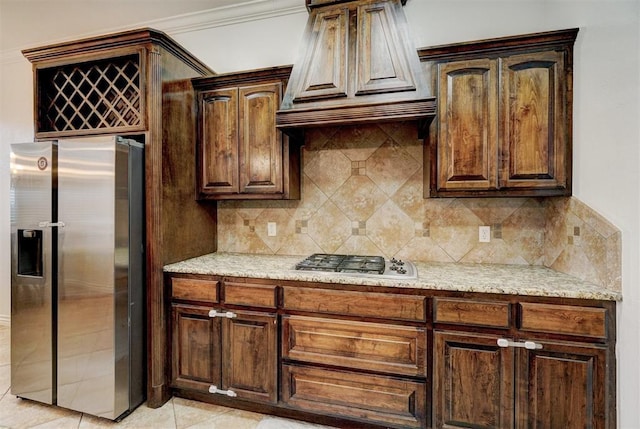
x=524 y=280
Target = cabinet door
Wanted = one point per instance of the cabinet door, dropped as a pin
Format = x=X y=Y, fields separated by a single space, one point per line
x=218 y=169
x=195 y=346
x=250 y=356
x=534 y=130
x=323 y=73
x=260 y=142
x=473 y=381
x=562 y=386
x=467 y=134
x=382 y=61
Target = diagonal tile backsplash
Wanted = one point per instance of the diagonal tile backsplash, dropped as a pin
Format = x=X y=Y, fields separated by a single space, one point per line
x=362 y=192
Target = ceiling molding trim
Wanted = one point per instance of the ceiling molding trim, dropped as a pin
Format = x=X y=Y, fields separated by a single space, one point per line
x=229 y=15
x=248 y=11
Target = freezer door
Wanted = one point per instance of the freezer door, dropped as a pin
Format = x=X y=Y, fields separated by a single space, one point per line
x=32 y=270
x=91 y=271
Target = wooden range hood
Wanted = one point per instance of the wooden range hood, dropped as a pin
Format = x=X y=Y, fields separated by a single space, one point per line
x=356 y=65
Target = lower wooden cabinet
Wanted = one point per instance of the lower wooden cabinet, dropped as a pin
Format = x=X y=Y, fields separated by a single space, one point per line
x=561 y=386
x=482 y=385
x=196 y=358
x=234 y=354
x=376 y=399
x=473 y=381
x=433 y=359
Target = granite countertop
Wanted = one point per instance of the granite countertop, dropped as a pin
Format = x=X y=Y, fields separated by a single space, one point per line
x=485 y=278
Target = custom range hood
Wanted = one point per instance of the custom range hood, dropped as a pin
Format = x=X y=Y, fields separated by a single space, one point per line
x=356 y=65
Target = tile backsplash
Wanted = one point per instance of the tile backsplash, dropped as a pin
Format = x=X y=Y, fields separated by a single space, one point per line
x=362 y=192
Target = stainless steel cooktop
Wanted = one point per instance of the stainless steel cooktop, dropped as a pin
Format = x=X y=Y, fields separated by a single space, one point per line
x=359 y=265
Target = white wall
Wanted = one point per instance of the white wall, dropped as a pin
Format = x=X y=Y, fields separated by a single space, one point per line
x=606 y=114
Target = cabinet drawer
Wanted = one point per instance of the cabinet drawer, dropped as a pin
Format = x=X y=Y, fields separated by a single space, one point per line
x=563 y=319
x=360 y=345
x=194 y=289
x=471 y=312
x=250 y=294
x=372 y=398
x=353 y=303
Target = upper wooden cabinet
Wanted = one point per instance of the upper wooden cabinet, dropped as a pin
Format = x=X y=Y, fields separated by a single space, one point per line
x=105 y=84
x=241 y=154
x=357 y=64
x=503 y=126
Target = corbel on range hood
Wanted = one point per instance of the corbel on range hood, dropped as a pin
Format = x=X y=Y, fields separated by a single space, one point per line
x=357 y=65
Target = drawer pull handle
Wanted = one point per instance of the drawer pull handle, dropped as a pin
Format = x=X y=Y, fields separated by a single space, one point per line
x=529 y=345
x=227 y=314
x=214 y=389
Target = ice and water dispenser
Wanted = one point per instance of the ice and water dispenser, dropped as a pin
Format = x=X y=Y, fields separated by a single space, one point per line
x=30 y=262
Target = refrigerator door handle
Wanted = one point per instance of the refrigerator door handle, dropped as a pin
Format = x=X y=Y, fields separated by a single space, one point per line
x=47 y=224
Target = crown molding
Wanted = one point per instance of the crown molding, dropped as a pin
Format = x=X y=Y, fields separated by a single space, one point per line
x=229 y=15
x=252 y=10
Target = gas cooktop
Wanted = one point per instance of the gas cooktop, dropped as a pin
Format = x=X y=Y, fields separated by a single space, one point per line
x=358 y=265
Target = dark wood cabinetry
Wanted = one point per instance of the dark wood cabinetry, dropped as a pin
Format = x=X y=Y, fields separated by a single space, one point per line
x=398 y=358
x=241 y=154
x=220 y=349
x=519 y=378
x=378 y=367
x=473 y=381
x=356 y=65
x=503 y=126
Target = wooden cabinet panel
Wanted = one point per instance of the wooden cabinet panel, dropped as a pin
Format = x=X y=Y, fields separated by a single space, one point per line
x=473 y=382
x=241 y=154
x=381 y=61
x=468 y=108
x=250 y=356
x=194 y=289
x=471 y=312
x=260 y=144
x=324 y=67
x=364 y=397
x=504 y=124
x=368 y=346
x=196 y=341
x=533 y=137
x=563 y=319
x=354 y=303
x=563 y=387
x=250 y=294
x=219 y=141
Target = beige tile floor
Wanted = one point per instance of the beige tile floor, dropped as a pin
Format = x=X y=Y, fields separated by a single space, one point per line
x=177 y=413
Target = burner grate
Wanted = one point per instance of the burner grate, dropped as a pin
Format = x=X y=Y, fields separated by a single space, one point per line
x=343 y=263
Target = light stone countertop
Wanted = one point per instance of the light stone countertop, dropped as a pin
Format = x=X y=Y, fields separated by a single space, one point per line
x=485 y=278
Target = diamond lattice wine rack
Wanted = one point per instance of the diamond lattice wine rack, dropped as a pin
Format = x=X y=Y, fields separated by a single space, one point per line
x=91 y=97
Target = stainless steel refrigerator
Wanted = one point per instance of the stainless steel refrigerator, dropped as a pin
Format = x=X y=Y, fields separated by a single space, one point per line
x=78 y=274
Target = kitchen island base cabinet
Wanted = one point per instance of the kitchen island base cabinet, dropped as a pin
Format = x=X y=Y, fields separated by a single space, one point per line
x=368 y=398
